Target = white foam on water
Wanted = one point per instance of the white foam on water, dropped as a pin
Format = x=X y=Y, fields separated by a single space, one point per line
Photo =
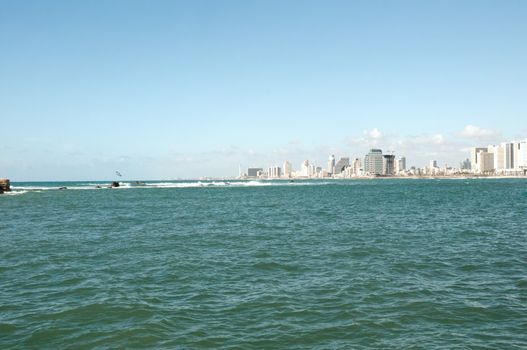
x=15 y=193
x=33 y=188
x=176 y=184
x=207 y=184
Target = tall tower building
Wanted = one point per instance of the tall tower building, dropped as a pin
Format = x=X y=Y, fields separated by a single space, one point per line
x=497 y=152
x=274 y=172
x=304 y=169
x=509 y=156
x=388 y=161
x=474 y=156
x=373 y=162
x=341 y=165
x=287 y=169
x=485 y=162
x=522 y=157
x=401 y=163
x=357 y=167
x=331 y=164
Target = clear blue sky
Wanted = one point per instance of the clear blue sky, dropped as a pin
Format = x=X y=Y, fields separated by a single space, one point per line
x=167 y=89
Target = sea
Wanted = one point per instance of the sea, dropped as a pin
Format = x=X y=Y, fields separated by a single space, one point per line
x=313 y=264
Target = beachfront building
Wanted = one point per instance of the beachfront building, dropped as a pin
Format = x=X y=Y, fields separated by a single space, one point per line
x=304 y=168
x=308 y=170
x=498 y=155
x=465 y=165
x=342 y=164
x=347 y=173
x=388 y=164
x=373 y=162
x=331 y=164
x=522 y=157
x=485 y=163
x=474 y=156
x=508 y=158
x=287 y=169
x=400 y=165
x=254 y=172
x=357 y=167
x=432 y=168
x=274 y=172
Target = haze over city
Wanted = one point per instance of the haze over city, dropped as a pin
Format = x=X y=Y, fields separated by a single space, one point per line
x=191 y=89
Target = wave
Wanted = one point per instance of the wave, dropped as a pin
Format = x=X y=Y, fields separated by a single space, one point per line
x=15 y=193
x=208 y=184
x=149 y=185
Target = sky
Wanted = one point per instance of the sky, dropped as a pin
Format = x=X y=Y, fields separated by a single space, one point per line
x=184 y=89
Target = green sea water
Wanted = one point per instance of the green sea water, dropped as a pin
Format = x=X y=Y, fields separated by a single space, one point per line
x=365 y=264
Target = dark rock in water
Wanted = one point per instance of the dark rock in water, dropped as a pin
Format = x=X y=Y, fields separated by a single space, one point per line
x=63 y=188
x=97 y=186
x=1 y=191
x=5 y=185
x=115 y=184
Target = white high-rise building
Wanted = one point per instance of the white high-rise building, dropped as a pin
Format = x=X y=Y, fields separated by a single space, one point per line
x=474 y=157
x=485 y=162
x=522 y=157
x=331 y=164
x=357 y=167
x=312 y=170
x=304 y=168
x=509 y=157
x=274 y=172
x=400 y=165
x=373 y=162
x=287 y=169
x=497 y=152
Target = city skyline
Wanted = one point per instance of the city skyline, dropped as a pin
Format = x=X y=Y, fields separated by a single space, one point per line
x=503 y=158
x=199 y=87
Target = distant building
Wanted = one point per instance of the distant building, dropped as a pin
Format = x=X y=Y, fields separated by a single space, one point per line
x=373 y=162
x=465 y=165
x=357 y=167
x=522 y=157
x=388 y=166
x=509 y=157
x=498 y=153
x=254 y=172
x=474 y=156
x=274 y=172
x=341 y=165
x=400 y=165
x=433 y=164
x=304 y=168
x=287 y=169
x=331 y=164
x=485 y=162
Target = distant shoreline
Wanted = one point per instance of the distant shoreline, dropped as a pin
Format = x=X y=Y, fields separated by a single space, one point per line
x=450 y=177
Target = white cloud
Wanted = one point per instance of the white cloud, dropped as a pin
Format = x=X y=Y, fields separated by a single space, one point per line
x=369 y=138
x=438 y=139
x=375 y=134
x=475 y=132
